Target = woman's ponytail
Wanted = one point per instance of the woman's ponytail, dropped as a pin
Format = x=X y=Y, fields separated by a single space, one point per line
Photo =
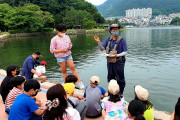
x=136 y=109
x=139 y=117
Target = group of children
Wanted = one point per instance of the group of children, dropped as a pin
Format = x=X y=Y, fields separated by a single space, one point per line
x=63 y=104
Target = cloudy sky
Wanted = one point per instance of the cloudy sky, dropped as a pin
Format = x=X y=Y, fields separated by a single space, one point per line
x=96 y=2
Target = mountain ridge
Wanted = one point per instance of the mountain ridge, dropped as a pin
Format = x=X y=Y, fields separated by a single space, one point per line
x=112 y=8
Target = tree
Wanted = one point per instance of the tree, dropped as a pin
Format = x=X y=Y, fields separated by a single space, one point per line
x=58 y=8
x=98 y=18
x=19 y=21
x=74 y=18
x=175 y=21
x=89 y=24
x=4 y=8
x=116 y=21
x=28 y=18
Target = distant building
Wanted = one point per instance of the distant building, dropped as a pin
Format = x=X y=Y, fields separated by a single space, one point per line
x=113 y=18
x=174 y=15
x=144 y=12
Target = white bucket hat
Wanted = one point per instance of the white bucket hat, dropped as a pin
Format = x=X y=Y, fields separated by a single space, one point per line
x=141 y=93
x=113 y=87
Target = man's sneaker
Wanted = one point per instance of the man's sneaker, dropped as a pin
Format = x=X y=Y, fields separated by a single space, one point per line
x=81 y=85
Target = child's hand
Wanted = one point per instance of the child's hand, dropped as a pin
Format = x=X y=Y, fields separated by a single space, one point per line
x=38 y=103
x=80 y=97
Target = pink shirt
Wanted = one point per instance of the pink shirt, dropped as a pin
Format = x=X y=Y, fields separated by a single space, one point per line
x=58 y=43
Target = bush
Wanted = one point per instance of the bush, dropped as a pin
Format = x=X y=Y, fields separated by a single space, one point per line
x=47 y=30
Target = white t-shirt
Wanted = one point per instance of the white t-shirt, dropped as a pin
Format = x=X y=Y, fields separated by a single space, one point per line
x=40 y=69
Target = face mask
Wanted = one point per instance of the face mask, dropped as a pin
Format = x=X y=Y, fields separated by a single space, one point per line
x=17 y=72
x=62 y=34
x=37 y=58
x=115 y=33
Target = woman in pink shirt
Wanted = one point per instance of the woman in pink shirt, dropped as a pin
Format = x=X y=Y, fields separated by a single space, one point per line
x=61 y=47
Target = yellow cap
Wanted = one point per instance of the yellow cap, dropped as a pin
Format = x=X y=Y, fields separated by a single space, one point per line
x=69 y=88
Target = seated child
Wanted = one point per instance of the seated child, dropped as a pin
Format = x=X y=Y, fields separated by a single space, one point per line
x=93 y=95
x=18 y=83
x=113 y=105
x=24 y=106
x=135 y=110
x=142 y=95
x=73 y=100
x=57 y=106
x=42 y=70
x=72 y=79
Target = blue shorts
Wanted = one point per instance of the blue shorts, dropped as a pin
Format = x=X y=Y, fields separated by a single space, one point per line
x=64 y=59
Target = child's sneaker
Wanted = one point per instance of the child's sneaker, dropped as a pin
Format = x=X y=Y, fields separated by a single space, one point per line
x=81 y=85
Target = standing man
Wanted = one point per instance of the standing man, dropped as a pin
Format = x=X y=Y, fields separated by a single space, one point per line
x=29 y=65
x=116 y=49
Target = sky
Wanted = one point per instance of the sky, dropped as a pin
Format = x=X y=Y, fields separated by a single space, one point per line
x=96 y=2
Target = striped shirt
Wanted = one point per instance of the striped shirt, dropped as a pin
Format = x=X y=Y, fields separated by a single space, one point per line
x=12 y=96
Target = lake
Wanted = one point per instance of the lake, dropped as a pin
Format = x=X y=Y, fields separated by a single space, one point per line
x=153 y=61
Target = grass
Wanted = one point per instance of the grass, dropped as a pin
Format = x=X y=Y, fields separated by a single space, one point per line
x=95 y=29
x=71 y=29
x=5 y=33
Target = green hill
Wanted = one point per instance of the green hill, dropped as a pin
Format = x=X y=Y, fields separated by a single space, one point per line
x=112 y=8
x=59 y=8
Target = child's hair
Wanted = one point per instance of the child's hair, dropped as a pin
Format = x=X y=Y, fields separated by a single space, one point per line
x=147 y=104
x=136 y=109
x=31 y=84
x=114 y=98
x=71 y=78
x=56 y=92
x=177 y=110
x=18 y=80
x=10 y=69
x=61 y=27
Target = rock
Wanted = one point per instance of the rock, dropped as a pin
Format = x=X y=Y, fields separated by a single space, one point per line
x=161 y=115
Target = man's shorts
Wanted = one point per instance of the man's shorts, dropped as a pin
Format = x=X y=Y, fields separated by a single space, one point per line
x=64 y=59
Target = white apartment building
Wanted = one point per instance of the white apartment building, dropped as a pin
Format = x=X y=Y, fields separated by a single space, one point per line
x=144 y=12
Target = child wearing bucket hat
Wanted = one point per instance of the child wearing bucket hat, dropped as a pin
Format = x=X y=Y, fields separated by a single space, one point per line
x=93 y=94
x=113 y=106
x=142 y=95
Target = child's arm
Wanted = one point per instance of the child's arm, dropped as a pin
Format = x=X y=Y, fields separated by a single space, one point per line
x=77 y=96
x=39 y=112
x=104 y=113
x=106 y=94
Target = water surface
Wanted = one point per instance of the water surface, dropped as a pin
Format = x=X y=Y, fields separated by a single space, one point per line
x=153 y=61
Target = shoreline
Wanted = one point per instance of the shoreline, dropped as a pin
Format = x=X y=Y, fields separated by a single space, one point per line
x=74 y=32
x=158 y=115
